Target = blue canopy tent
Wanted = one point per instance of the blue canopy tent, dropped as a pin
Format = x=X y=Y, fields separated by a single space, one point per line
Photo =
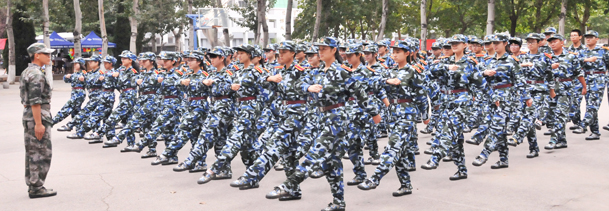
x=58 y=42
x=94 y=41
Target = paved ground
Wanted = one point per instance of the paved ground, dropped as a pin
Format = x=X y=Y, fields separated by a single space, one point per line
x=88 y=177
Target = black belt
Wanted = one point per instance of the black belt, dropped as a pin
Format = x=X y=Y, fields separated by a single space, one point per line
x=170 y=97
x=502 y=86
x=148 y=93
x=108 y=90
x=220 y=98
x=596 y=72
x=246 y=98
x=564 y=79
x=197 y=98
x=78 y=88
x=535 y=82
x=128 y=89
x=396 y=101
x=327 y=108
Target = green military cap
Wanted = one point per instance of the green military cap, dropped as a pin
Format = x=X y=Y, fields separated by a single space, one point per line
x=38 y=48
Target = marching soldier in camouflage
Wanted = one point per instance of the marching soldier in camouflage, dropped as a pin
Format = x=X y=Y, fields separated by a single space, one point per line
x=198 y=108
x=78 y=94
x=566 y=69
x=94 y=85
x=105 y=100
x=370 y=54
x=506 y=81
x=37 y=121
x=401 y=84
x=461 y=77
x=540 y=80
x=595 y=59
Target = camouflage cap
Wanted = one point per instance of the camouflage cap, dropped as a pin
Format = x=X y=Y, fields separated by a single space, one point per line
x=402 y=44
x=218 y=51
x=287 y=45
x=80 y=61
x=199 y=55
x=591 y=33
x=354 y=48
x=270 y=47
x=488 y=39
x=328 y=41
x=436 y=45
x=458 y=38
x=38 y=48
x=109 y=59
x=371 y=49
x=128 y=54
x=312 y=50
x=476 y=40
x=94 y=58
x=185 y=53
x=501 y=37
x=147 y=56
x=301 y=48
x=516 y=40
x=257 y=52
x=168 y=55
x=556 y=36
x=550 y=30
x=534 y=36
x=245 y=48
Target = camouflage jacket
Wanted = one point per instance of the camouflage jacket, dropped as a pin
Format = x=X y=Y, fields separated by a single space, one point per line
x=35 y=90
x=458 y=84
x=539 y=77
x=196 y=89
x=127 y=78
x=411 y=80
x=289 y=87
x=595 y=71
x=567 y=71
x=508 y=80
x=149 y=81
x=73 y=79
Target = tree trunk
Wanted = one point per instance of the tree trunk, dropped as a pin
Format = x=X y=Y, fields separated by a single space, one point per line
x=77 y=29
x=162 y=43
x=384 y=19
x=563 y=14
x=490 y=20
x=133 y=24
x=226 y=37
x=47 y=41
x=513 y=25
x=265 y=26
x=11 y=44
x=177 y=37
x=191 y=28
x=423 y=24
x=154 y=43
x=288 y=20
x=102 y=28
x=317 y=21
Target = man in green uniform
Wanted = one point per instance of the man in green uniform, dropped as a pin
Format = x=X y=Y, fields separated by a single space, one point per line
x=37 y=120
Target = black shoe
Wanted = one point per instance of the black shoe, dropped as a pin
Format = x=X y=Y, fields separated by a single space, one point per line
x=181 y=167
x=429 y=143
x=404 y=190
x=198 y=168
x=317 y=174
x=132 y=148
x=580 y=130
x=472 y=141
x=426 y=131
x=114 y=141
x=550 y=146
x=278 y=166
x=346 y=157
x=479 y=161
x=509 y=132
x=606 y=127
x=433 y=133
x=171 y=161
x=367 y=185
x=560 y=145
x=142 y=135
x=354 y=181
x=458 y=176
x=417 y=151
x=574 y=127
x=119 y=126
x=366 y=147
x=532 y=154
x=499 y=165
x=92 y=136
x=467 y=130
x=410 y=168
x=447 y=159
x=593 y=136
x=333 y=207
x=512 y=142
x=383 y=135
x=97 y=141
x=64 y=129
x=74 y=136
x=159 y=159
x=538 y=125
x=549 y=133
x=42 y=192
x=429 y=165
x=149 y=154
x=428 y=151
x=110 y=146
x=276 y=193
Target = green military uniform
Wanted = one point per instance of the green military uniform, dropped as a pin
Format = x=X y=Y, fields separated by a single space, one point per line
x=35 y=90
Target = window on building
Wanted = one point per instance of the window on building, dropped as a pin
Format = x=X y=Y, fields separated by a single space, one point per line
x=273 y=23
x=242 y=4
x=170 y=40
x=158 y=41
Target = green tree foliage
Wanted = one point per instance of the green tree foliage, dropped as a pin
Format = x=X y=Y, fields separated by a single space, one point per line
x=25 y=35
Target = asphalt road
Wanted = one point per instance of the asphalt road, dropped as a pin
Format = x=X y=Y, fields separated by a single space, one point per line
x=88 y=177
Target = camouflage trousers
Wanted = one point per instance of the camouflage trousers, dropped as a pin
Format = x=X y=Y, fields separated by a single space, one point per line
x=213 y=135
x=83 y=114
x=38 y=155
x=143 y=116
x=99 y=114
x=483 y=127
x=558 y=116
x=451 y=137
x=576 y=101
x=72 y=107
x=326 y=149
x=266 y=117
x=517 y=113
x=188 y=129
x=526 y=127
x=356 y=137
x=165 y=122
x=497 y=137
x=124 y=110
x=242 y=139
x=284 y=143
x=399 y=148
x=593 y=103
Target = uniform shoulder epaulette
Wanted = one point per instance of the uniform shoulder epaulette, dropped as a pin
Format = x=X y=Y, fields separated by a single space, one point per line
x=207 y=63
x=236 y=67
x=134 y=70
x=522 y=52
x=424 y=62
x=279 y=67
x=515 y=58
x=298 y=67
x=369 y=68
x=205 y=73
x=473 y=59
x=480 y=55
x=102 y=72
x=384 y=66
x=605 y=47
x=346 y=68
x=574 y=53
x=258 y=68
x=156 y=72
x=229 y=72
x=381 y=59
x=548 y=55
x=487 y=58
x=179 y=72
x=416 y=68
x=420 y=66
x=425 y=52
x=267 y=70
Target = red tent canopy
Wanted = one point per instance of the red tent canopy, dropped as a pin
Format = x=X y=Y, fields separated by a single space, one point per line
x=2 y=43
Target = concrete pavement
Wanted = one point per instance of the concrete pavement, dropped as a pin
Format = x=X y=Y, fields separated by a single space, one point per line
x=88 y=177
